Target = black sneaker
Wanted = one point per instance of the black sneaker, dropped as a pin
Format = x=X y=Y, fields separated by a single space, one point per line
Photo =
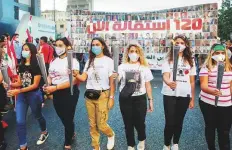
x=42 y=138
x=4 y=111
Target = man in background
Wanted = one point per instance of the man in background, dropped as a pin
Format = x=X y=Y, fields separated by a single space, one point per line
x=47 y=51
x=17 y=47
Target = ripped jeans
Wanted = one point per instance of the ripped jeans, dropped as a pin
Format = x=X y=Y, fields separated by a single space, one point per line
x=98 y=116
x=24 y=100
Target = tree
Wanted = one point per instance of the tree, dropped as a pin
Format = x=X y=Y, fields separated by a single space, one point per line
x=225 y=20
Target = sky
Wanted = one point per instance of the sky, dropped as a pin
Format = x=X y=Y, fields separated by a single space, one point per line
x=127 y=5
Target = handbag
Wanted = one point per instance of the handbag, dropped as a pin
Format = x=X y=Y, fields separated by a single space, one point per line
x=91 y=93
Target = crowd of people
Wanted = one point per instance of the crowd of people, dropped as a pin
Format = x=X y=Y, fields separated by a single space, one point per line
x=27 y=88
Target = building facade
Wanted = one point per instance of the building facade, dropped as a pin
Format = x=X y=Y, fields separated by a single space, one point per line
x=60 y=20
x=11 y=11
x=80 y=4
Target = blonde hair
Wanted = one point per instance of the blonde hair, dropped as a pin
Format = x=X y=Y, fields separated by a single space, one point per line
x=210 y=63
x=142 y=59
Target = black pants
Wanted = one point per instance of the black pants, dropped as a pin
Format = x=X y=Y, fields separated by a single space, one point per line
x=134 y=112
x=175 y=109
x=1 y=131
x=220 y=119
x=65 y=106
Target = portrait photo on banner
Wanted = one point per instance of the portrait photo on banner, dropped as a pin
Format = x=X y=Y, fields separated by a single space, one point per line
x=153 y=30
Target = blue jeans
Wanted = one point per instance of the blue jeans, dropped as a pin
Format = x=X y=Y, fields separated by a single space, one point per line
x=34 y=100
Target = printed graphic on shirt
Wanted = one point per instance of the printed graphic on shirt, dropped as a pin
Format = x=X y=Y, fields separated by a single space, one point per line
x=56 y=75
x=134 y=75
x=182 y=71
x=26 y=78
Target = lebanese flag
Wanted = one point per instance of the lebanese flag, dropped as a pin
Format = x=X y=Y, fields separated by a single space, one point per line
x=28 y=31
x=11 y=53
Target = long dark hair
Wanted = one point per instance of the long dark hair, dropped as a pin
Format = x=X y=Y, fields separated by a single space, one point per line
x=187 y=54
x=2 y=44
x=33 y=51
x=92 y=56
x=66 y=42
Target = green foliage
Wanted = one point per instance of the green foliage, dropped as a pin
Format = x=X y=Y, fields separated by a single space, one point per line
x=225 y=20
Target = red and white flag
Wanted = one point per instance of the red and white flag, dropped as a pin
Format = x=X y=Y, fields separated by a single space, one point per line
x=28 y=31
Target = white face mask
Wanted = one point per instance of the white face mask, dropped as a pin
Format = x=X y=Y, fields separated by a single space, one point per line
x=17 y=39
x=133 y=57
x=60 y=50
x=5 y=50
x=219 y=57
x=182 y=47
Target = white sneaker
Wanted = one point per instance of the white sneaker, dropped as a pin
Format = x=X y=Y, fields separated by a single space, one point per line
x=42 y=138
x=110 y=143
x=166 y=147
x=141 y=145
x=130 y=148
x=175 y=147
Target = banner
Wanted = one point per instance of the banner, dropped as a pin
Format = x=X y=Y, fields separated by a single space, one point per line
x=152 y=30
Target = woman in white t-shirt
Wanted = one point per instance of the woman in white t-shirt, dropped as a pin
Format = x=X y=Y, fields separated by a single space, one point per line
x=178 y=96
x=135 y=77
x=64 y=103
x=100 y=87
x=216 y=118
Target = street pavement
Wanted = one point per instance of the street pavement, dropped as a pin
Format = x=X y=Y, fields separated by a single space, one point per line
x=192 y=137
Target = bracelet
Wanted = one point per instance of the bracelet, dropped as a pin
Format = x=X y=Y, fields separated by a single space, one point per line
x=111 y=97
x=150 y=99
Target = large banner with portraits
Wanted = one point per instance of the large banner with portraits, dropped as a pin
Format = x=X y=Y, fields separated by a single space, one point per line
x=152 y=30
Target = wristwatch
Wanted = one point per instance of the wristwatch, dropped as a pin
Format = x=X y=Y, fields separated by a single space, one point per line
x=150 y=99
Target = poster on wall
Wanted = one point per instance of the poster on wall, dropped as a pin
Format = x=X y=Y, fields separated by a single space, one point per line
x=152 y=30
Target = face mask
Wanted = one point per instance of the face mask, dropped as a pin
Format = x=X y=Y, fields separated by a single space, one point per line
x=17 y=39
x=60 y=51
x=182 y=47
x=26 y=54
x=133 y=57
x=96 y=50
x=218 y=58
x=5 y=50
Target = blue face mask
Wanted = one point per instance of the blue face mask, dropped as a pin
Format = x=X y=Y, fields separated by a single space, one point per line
x=26 y=54
x=96 y=50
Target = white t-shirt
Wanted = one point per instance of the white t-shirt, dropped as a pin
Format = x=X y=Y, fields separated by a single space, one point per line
x=225 y=99
x=58 y=70
x=141 y=74
x=98 y=77
x=184 y=71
